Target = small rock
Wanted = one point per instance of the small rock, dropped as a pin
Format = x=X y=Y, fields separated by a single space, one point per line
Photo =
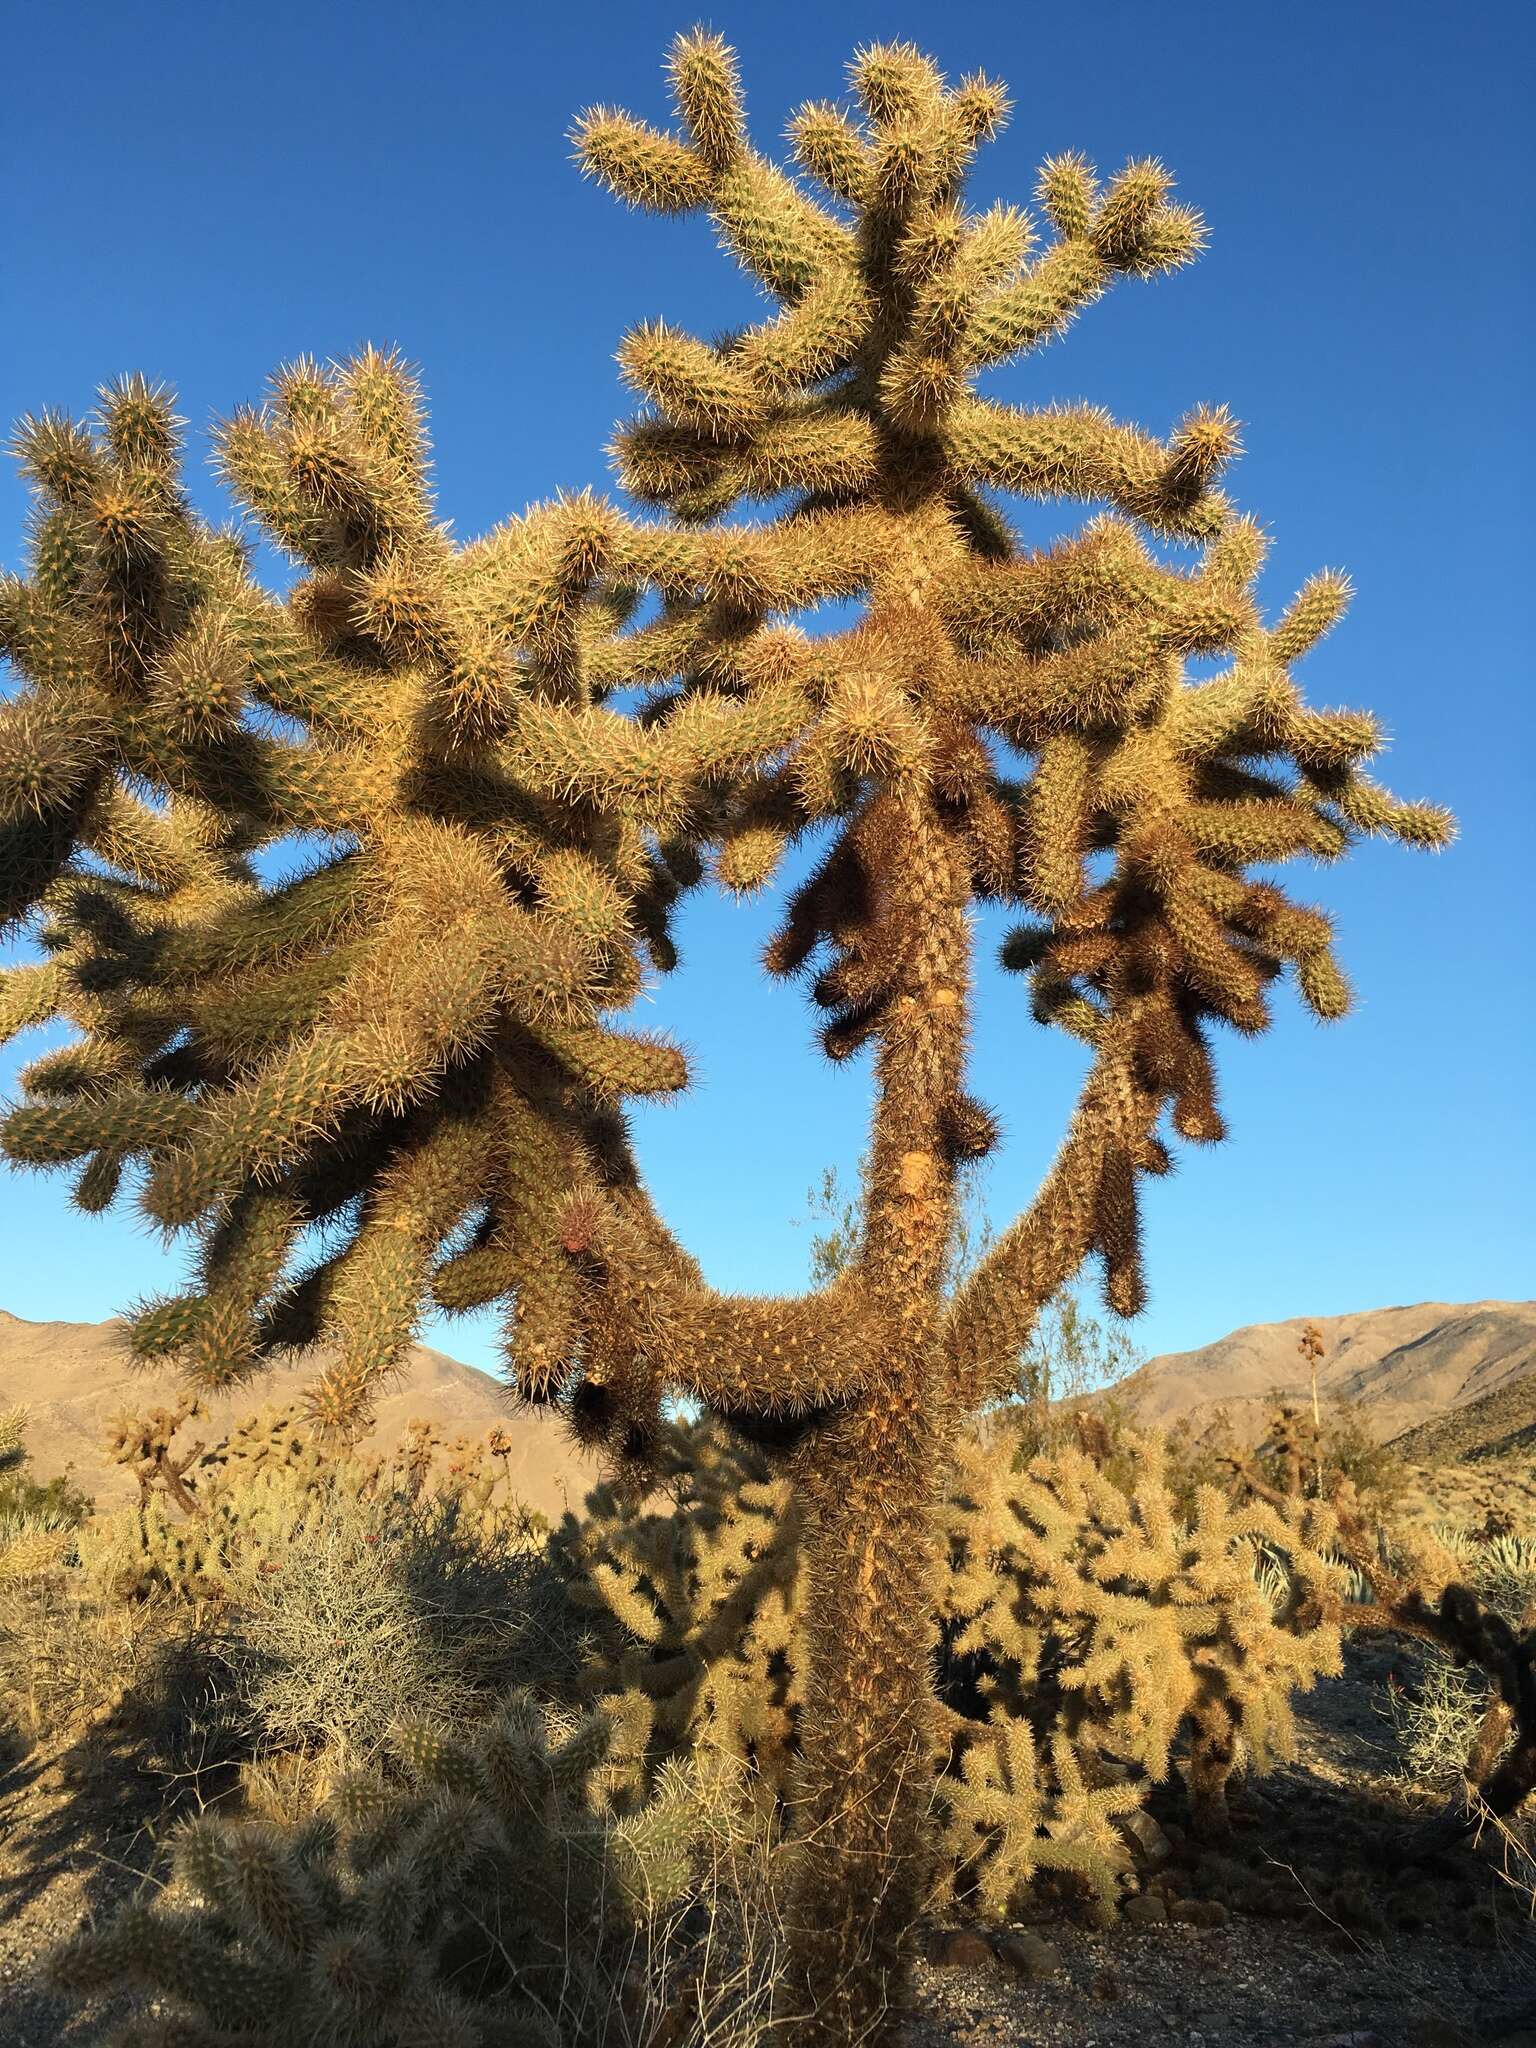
x=1145 y=1839
x=1028 y=1956
x=964 y=1950
x=1146 y=1911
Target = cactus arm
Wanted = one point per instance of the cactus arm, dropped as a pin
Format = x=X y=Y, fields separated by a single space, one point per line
x=1085 y=1204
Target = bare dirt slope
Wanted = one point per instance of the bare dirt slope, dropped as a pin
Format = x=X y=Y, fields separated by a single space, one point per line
x=1402 y=1366
x=1498 y=1424
x=73 y=1377
x=1464 y=1374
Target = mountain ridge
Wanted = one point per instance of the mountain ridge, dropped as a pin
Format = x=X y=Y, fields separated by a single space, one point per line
x=74 y=1377
x=1401 y=1367
x=1444 y=1379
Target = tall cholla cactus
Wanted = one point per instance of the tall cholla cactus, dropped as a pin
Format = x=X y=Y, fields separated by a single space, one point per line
x=408 y=1043
x=856 y=398
x=419 y=1026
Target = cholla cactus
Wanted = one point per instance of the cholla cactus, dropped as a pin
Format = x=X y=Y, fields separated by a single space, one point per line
x=705 y=1639
x=211 y=1521
x=473 y=1899
x=266 y=1487
x=1139 y=1625
x=406 y=1043
x=146 y=1446
x=413 y=1034
x=856 y=397
x=1089 y=1637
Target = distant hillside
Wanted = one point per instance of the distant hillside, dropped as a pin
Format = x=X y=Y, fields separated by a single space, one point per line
x=74 y=1377
x=1499 y=1424
x=1448 y=1381
x=1407 y=1369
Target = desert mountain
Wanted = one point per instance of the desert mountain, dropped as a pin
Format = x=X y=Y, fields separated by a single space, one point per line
x=1458 y=1378
x=73 y=1377
x=1500 y=1424
x=1404 y=1368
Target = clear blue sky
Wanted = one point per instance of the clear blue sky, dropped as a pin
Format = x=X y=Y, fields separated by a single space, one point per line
x=200 y=191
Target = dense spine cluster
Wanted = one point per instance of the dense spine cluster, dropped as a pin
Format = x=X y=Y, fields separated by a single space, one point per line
x=401 y=1056
x=470 y=1897
x=409 y=1052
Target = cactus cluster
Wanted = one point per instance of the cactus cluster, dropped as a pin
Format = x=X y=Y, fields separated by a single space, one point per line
x=1090 y=1640
x=33 y=1538
x=397 y=1076
x=210 y=1520
x=474 y=1895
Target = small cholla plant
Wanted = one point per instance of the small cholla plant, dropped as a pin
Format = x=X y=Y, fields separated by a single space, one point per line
x=471 y=1896
x=1085 y=1632
x=413 y=1041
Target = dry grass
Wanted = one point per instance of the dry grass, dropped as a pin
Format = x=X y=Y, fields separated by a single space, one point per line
x=69 y=1657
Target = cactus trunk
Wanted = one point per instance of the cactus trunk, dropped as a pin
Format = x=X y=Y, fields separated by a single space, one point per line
x=874 y=1476
x=867 y=1727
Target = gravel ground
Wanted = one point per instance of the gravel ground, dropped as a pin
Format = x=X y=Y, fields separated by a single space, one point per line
x=33 y=1917
x=1245 y=1985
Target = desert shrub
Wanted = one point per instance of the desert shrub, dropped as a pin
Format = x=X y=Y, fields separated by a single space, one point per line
x=1438 y=1718
x=211 y=1520
x=340 y=1584
x=1300 y=1453
x=1085 y=1635
x=383 y=1601
x=48 y=1662
x=461 y=1894
x=311 y=1591
x=1073 y=1358
x=151 y=1680
x=35 y=1517
x=60 y=1499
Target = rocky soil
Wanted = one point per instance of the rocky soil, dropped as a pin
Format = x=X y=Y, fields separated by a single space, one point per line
x=1311 y=1927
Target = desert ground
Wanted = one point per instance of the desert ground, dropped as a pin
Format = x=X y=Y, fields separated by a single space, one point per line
x=1323 y=1920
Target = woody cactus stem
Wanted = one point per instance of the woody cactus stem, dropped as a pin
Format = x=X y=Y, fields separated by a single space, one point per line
x=873 y=1475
